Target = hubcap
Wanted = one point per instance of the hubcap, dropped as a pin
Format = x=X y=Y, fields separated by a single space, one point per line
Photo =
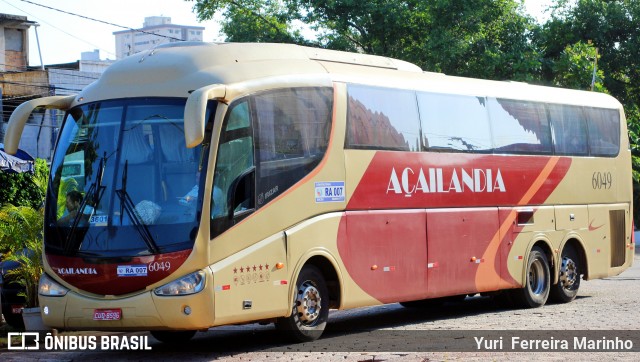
x=308 y=303
x=568 y=273
x=536 y=277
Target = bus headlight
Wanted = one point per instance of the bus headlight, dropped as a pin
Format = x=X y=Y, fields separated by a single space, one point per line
x=48 y=287
x=188 y=284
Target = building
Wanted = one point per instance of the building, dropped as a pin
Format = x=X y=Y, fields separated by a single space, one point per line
x=14 y=42
x=90 y=62
x=41 y=131
x=156 y=30
x=19 y=83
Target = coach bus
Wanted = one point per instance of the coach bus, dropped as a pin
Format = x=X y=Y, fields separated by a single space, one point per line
x=235 y=183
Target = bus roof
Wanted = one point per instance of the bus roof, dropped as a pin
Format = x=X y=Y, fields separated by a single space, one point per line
x=176 y=69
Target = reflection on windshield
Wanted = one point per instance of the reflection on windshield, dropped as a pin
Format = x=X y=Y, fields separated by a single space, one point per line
x=122 y=168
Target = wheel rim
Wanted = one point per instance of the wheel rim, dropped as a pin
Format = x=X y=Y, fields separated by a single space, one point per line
x=568 y=273
x=537 y=278
x=308 y=303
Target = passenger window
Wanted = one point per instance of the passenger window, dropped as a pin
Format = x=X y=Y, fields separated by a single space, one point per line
x=383 y=119
x=293 y=129
x=519 y=126
x=569 y=129
x=454 y=122
x=604 y=131
x=235 y=158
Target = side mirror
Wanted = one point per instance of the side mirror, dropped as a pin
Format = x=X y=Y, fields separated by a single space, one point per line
x=241 y=193
x=195 y=111
x=21 y=114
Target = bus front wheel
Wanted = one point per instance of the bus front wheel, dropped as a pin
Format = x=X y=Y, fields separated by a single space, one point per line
x=569 y=277
x=310 y=307
x=537 y=282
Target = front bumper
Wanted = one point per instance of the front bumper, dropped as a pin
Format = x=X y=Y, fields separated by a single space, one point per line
x=145 y=311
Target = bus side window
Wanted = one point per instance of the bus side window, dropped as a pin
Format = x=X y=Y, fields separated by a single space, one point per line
x=604 y=131
x=382 y=119
x=569 y=129
x=454 y=122
x=291 y=137
x=519 y=126
x=235 y=158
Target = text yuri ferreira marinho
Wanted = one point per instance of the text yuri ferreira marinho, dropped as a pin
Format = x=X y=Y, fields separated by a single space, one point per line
x=575 y=343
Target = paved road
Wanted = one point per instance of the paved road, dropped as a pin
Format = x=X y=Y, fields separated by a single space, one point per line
x=385 y=332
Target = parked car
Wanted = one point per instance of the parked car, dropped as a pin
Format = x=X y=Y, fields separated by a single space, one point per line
x=12 y=303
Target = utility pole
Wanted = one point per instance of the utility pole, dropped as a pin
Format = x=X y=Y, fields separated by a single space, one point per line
x=35 y=26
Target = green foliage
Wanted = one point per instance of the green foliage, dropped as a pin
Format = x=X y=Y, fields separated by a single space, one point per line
x=21 y=241
x=482 y=38
x=25 y=189
x=252 y=20
x=21 y=226
x=29 y=272
x=574 y=68
x=633 y=122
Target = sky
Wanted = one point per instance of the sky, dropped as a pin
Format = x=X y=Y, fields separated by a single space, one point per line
x=63 y=37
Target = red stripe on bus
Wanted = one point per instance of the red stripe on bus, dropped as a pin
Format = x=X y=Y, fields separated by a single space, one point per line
x=445 y=204
x=105 y=278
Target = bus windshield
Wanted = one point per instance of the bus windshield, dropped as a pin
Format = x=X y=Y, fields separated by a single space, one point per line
x=123 y=183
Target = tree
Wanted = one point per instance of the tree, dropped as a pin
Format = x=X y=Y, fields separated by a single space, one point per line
x=26 y=250
x=25 y=189
x=251 y=20
x=611 y=27
x=574 y=68
x=481 y=38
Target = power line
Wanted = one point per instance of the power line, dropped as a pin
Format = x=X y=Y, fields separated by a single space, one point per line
x=101 y=21
x=60 y=30
x=40 y=86
x=61 y=71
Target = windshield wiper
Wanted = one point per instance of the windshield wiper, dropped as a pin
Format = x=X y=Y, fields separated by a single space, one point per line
x=128 y=206
x=95 y=192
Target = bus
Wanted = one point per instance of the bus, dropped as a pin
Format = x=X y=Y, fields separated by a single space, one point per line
x=238 y=183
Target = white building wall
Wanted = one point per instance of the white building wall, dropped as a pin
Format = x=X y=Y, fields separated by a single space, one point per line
x=131 y=42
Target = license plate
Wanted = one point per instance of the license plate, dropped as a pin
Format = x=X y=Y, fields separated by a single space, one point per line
x=107 y=314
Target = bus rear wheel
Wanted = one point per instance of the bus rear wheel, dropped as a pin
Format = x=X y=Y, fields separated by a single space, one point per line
x=537 y=283
x=310 y=307
x=569 y=277
x=173 y=337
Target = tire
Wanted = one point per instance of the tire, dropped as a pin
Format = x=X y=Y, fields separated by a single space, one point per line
x=569 y=277
x=310 y=309
x=173 y=337
x=14 y=320
x=537 y=283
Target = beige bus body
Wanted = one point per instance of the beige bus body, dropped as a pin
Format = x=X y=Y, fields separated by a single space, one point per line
x=272 y=245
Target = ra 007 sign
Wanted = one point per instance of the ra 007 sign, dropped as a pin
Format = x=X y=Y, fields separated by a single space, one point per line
x=132 y=270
